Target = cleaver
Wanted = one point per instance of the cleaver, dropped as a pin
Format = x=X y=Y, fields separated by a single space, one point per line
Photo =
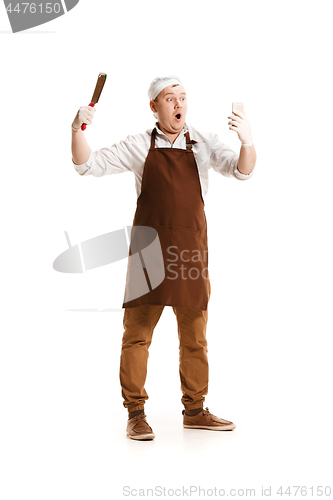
x=98 y=90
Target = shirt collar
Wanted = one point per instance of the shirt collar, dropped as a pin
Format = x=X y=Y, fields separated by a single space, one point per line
x=159 y=131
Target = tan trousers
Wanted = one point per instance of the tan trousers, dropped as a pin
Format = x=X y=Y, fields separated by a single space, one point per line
x=139 y=323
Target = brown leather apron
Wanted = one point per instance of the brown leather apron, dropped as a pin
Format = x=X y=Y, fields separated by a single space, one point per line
x=171 y=202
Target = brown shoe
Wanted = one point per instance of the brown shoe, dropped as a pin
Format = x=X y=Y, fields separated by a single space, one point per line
x=138 y=428
x=205 y=420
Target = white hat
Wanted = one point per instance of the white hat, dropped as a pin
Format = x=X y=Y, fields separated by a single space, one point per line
x=160 y=83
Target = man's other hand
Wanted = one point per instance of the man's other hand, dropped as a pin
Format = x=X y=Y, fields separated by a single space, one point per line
x=240 y=124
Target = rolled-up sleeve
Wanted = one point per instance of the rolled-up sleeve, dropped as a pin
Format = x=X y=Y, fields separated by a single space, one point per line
x=115 y=159
x=224 y=160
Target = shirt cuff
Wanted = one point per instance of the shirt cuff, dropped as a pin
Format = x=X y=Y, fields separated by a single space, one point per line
x=81 y=169
x=241 y=176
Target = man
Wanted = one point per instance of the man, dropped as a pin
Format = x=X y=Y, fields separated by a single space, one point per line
x=170 y=164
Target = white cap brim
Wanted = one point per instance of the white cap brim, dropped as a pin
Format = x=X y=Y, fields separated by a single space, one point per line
x=158 y=84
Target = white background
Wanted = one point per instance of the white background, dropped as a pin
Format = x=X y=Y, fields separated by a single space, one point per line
x=270 y=313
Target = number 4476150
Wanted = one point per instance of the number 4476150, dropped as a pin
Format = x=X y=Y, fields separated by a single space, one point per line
x=33 y=7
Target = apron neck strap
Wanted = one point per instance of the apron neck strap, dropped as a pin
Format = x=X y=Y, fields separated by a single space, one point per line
x=189 y=143
x=152 y=140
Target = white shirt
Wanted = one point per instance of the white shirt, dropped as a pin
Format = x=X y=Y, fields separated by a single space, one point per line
x=130 y=156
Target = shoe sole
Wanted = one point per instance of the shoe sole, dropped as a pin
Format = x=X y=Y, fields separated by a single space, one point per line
x=142 y=437
x=230 y=427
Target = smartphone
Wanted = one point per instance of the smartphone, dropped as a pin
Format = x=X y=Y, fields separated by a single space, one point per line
x=237 y=106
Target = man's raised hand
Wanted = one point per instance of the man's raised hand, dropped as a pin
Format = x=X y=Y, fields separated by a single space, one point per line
x=84 y=115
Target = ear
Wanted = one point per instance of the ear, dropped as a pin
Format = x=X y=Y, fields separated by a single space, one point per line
x=152 y=106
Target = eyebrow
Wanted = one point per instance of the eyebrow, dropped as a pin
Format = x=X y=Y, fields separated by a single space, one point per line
x=172 y=93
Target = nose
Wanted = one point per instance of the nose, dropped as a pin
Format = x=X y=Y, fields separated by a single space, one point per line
x=178 y=103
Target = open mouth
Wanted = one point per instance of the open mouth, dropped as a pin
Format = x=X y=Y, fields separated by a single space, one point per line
x=178 y=116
